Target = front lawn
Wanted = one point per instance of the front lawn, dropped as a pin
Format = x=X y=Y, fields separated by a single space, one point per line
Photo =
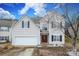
x=68 y=43
x=56 y=51
x=50 y=51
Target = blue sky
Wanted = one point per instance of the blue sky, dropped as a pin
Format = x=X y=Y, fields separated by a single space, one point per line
x=16 y=10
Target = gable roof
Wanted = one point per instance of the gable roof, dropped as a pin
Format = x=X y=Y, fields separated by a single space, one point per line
x=52 y=14
x=24 y=16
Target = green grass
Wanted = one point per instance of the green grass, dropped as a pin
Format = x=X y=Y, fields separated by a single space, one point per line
x=68 y=42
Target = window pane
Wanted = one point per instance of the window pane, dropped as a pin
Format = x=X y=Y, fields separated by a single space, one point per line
x=22 y=24
x=52 y=24
x=57 y=38
x=28 y=24
x=54 y=38
x=2 y=38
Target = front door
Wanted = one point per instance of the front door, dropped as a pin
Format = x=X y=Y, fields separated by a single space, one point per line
x=44 y=38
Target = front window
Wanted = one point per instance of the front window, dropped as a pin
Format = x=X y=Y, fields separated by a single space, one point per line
x=57 y=38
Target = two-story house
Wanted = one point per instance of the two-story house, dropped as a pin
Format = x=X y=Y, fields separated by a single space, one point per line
x=48 y=31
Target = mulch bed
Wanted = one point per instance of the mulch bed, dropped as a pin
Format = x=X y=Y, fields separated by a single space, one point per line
x=50 y=51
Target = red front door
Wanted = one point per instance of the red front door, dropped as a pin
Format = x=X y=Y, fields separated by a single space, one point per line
x=44 y=38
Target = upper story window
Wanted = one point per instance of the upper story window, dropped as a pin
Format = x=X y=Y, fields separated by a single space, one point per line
x=25 y=24
x=28 y=24
x=4 y=28
x=22 y=24
x=61 y=25
x=56 y=24
x=44 y=27
x=52 y=24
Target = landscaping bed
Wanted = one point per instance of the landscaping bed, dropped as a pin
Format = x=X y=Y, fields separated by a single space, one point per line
x=50 y=51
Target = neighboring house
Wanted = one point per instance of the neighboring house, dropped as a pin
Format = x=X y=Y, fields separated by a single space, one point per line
x=48 y=31
x=5 y=25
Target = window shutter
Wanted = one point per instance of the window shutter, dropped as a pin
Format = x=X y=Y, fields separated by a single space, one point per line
x=60 y=37
x=52 y=37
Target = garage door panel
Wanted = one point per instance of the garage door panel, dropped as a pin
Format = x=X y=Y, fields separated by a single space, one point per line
x=25 y=41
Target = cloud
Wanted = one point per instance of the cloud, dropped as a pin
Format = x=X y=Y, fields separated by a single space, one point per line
x=37 y=7
x=6 y=14
x=24 y=9
x=40 y=12
x=59 y=5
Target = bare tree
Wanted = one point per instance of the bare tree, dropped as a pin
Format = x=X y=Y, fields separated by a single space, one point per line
x=74 y=24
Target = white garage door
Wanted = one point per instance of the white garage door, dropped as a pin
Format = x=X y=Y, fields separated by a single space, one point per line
x=25 y=41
